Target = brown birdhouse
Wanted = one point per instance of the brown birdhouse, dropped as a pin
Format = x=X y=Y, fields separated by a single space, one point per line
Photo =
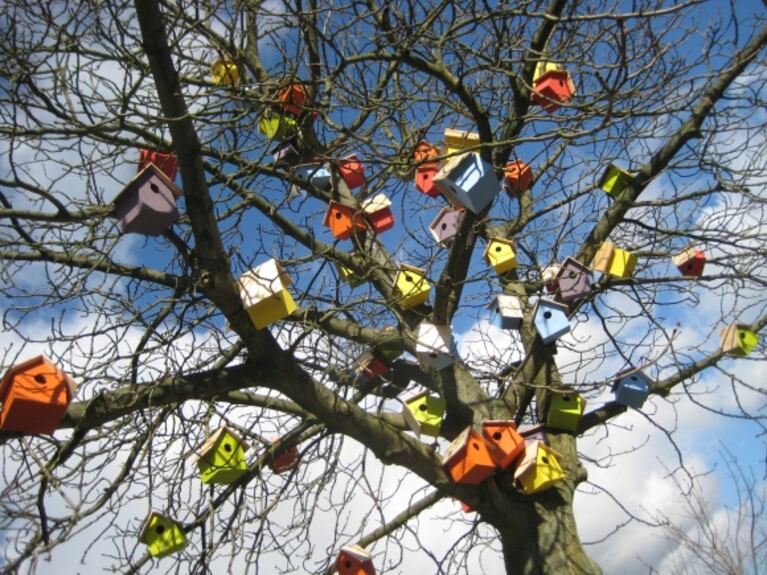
x=468 y=459
x=505 y=444
x=343 y=221
x=35 y=395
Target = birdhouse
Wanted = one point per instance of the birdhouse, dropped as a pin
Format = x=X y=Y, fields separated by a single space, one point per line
x=424 y=413
x=604 y=257
x=283 y=459
x=535 y=432
x=424 y=179
x=166 y=162
x=315 y=173
x=544 y=67
x=425 y=152
x=349 y=275
x=500 y=254
x=468 y=459
x=352 y=171
x=147 y=205
x=631 y=388
x=614 y=180
x=690 y=262
x=549 y=277
x=354 y=560
x=738 y=340
x=434 y=345
x=457 y=140
x=293 y=99
x=504 y=443
x=286 y=153
x=277 y=126
x=378 y=211
x=565 y=410
x=573 y=280
x=370 y=365
x=34 y=395
x=343 y=221
x=550 y=320
x=445 y=226
x=221 y=459
x=264 y=293
x=552 y=89
x=163 y=535
x=518 y=177
x=224 y=72
x=614 y=261
x=469 y=181
x=411 y=286
x=510 y=311
x=539 y=468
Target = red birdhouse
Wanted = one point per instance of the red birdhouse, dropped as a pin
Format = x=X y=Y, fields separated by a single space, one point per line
x=553 y=88
x=690 y=262
x=352 y=171
x=35 y=395
x=293 y=99
x=468 y=459
x=354 y=560
x=343 y=221
x=424 y=179
x=506 y=445
x=518 y=178
x=370 y=365
x=168 y=163
x=378 y=211
x=284 y=459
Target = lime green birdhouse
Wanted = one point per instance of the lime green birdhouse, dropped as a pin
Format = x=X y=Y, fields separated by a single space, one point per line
x=411 y=286
x=276 y=126
x=221 y=459
x=349 y=275
x=565 y=411
x=738 y=340
x=539 y=468
x=163 y=535
x=264 y=293
x=424 y=413
x=500 y=254
x=615 y=180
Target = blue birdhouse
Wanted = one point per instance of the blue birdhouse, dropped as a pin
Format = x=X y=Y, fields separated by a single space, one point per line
x=632 y=388
x=469 y=181
x=550 y=320
x=317 y=174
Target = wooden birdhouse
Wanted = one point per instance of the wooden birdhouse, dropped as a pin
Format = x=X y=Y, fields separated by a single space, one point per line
x=565 y=410
x=378 y=211
x=468 y=459
x=573 y=280
x=539 y=468
x=631 y=388
x=518 y=177
x=503 y=441
x=424 y=179
x=500 y=254
x=34 y=395
x=147 y=205
x=411 y=286
x=343 y=221
x=349 y=275
x=265 y=295
x=352 y=171
x=293 y=99
x=737 y=339
x=224 y=72
x=286 y=153
x=277 y=126
x=614 y=180
x=166 y=162
x=457 y=140
x=424 y=413
x=370 y=365
x=469 y=181
x=425 y=152
x=315 y=173
x=434 y=345
x=162 y=534
x=221 y=459
x=544 y=67
x=354 y=560
x=549 y=277
x=690 y=262
x=445 y=226
x=510 y=311
x=550 y=319
x=552 y=89
x=283 y=459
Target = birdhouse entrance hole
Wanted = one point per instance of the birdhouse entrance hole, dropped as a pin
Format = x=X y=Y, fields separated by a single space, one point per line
x=154 y=187
x=227 y=447
x=347 y=564
x=566 y=398
x=547 y=314
x=545 y=460
x=40 y=378
x=475 y=445
x=498 y=248
x=497 y=435
x=339 y=215
x=422 y=407
x=160 y=529
x=409 y=278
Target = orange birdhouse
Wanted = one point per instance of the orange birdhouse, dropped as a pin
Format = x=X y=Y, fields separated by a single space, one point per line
x=553 y=88
x=293 y=99
x=352 y=171
x=468 y=459
x=168 y=163
x=518 y=178
x=34 y=395
x=283 y=459
x=425 y=152
x=354 y=560
x=343 y=221
x=506 y=445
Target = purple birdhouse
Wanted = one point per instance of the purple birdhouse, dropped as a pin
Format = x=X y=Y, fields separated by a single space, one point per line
x=147 y=205
x=573 y=280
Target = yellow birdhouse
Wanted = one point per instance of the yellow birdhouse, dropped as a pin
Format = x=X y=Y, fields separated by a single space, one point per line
x=500 y=254
x=163 y=535
x=539 y=468
x=224 y=72
x=221 y=459
x=615 y=180
x=277 y=126
x=411 y=286
x=265 y=295
x=614 y=261
x=457 y=140
x=424 y=413
x=738 y=340
x=565 y=411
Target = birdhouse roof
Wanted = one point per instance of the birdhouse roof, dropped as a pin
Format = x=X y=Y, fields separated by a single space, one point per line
x=376 y=204
x=151 y=168
x=454 y=136
x=5 y=383
x=452 y=164
x=499 y=423
x=334 y=206
x=144 y=534
x=356 y=552
x=210 y=443
x=415 y=270
x=530 y=457
x=547 y=303
x=628 y=373
x=416 y=397
x=506 y=303
x=685 y=255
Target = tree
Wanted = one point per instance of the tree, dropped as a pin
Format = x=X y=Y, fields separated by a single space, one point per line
x=156 y=331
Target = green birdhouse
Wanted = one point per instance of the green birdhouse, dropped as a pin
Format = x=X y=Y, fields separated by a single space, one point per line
x=615 y=180
x=221 y=459
x=163 y=535
x=424 y=413
x=565 y=411
x=738 y=340
x=276 y=126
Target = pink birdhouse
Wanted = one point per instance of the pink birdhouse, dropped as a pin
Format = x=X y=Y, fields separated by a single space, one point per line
x=147 y=205
x=553 y=88
x=352 y=171
x=446 y=224
x=167 y=162
x=573 y=280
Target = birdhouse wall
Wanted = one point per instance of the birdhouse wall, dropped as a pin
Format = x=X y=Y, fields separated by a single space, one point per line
x=539 y=469
x=690 y=262
x=284 y=460
x=518 y=177
x=623 y=264
x=272 y=309
x=614 y=180
x=224 y=72
x=412 y=287
x=277 y=126
x=349 y=276
x=738 y=340
x=467 y=180
x=445 y=226
x=504 y=443
x=632 y=389
x=352 y=171
x=354 y=560
x=424 y=414
x=344 y=221
x=163 y=536
x=573 y=281
x=552 y=89
x=468 y=459
x=550 y=321
x=316 y=174
x=565 y=411
x=224 y=463
x=147 y=205
x=293 y=99
x=434 y=345
x=604 y=257
x=500 y=254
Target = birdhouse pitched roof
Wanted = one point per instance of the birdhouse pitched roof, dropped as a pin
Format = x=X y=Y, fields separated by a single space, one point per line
x=209 y=445
x=5 y=383
x=530 y=457
x=150 y=168
x=263 y=281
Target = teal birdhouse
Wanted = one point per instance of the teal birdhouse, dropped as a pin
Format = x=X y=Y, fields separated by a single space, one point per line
x=221 y=459
x=565 y=410
x=163 y=535
x=424 y=413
